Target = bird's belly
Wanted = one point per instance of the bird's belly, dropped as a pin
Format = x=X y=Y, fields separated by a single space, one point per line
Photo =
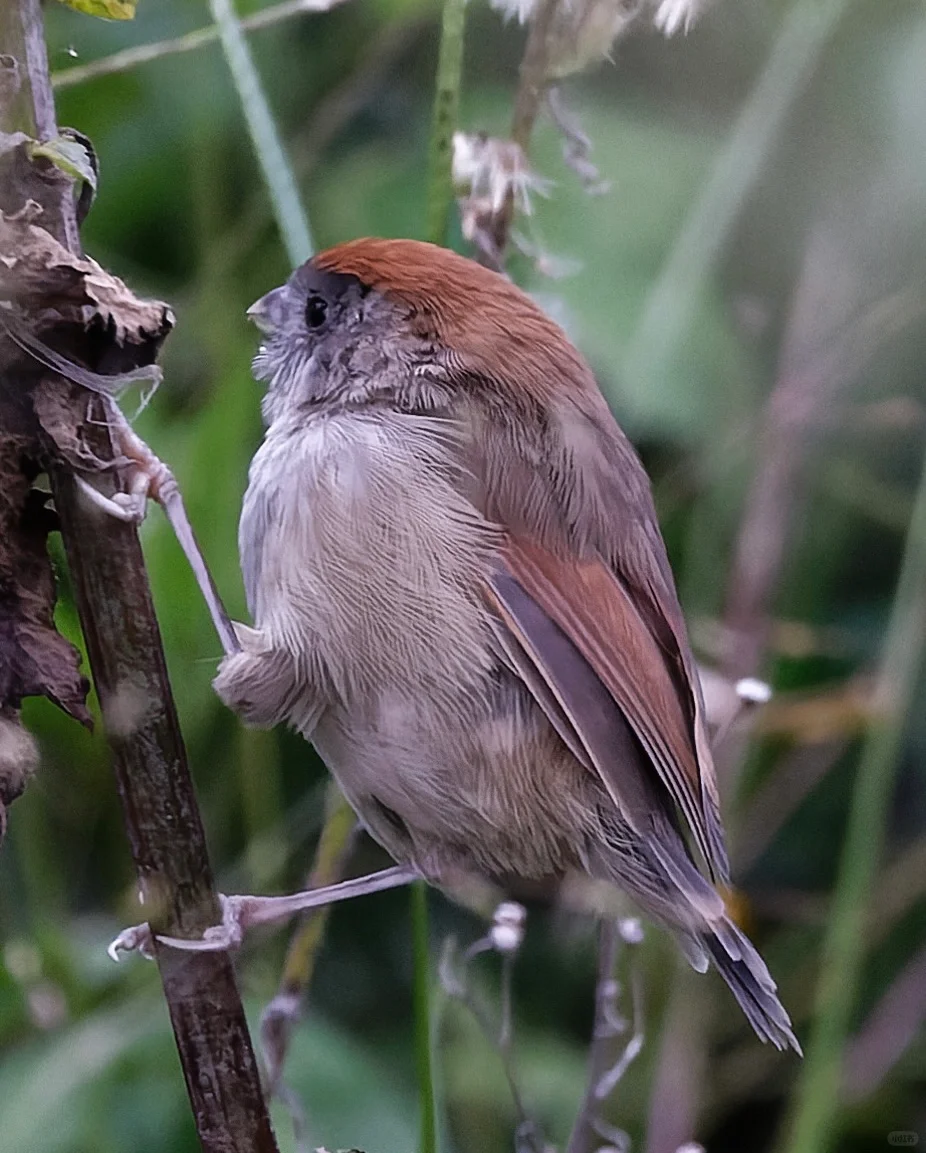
x=493 y=792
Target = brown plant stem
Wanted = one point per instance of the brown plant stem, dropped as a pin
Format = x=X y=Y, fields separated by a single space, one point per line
x=805 y=384
x=533 y=76
x=331 y=857
x=891 y=1027
x=584 y=1137
x=533 y=80
x=124 y=645
x=679 y=1073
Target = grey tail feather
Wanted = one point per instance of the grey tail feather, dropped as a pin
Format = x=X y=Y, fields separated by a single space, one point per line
x=751 y=984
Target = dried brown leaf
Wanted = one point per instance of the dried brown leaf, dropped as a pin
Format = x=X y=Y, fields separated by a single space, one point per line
x=45 y=288
x=42 y=278
x=35 y=660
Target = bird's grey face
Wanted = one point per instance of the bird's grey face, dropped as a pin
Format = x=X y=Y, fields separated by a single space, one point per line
x=328 y=340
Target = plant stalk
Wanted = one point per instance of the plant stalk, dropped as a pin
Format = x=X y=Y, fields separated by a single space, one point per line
x=117 y=617
x=278 y=174
x=812 y=1127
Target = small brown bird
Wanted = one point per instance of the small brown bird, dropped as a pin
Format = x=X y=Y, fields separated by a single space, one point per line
x=461 y=596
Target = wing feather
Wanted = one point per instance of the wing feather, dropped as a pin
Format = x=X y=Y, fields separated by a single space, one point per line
x=573 y=697
x=597 y=619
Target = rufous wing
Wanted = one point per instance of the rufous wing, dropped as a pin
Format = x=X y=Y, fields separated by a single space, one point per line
x=590 y=659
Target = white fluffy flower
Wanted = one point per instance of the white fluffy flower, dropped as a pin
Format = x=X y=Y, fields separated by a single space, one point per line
x=507 y=930
x=598 y=23
x=672 y=15
x=521 y=9
x=630 y=930
x=753 y=691
x=490 y=170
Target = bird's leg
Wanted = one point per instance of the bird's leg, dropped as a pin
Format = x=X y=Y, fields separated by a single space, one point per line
x=145 y=478
x=242 y=912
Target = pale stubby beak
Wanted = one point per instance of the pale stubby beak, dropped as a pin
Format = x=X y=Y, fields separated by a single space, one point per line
x=267 y=313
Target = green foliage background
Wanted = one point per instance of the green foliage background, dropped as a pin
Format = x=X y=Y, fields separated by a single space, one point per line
x=87 y=1058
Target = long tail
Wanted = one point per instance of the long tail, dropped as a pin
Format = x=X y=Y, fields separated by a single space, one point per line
x=750 y=982
x=731 y=950
x=672 y=889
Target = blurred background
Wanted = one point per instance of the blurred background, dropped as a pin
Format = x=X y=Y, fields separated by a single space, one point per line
x=750 y=290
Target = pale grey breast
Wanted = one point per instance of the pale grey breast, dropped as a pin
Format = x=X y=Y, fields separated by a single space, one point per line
x=357 y=541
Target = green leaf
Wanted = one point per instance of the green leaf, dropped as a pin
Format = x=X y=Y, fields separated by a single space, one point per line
x=71 y=156
x=105 y=9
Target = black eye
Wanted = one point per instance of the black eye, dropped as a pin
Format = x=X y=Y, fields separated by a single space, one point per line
x=316 y=311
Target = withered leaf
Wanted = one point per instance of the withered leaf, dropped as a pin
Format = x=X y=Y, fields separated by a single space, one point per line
x=105 y=9
x=35 y=660
x=42 y=278
x=46 y=287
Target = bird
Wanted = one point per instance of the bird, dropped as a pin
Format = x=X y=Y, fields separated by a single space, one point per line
x=461 y=597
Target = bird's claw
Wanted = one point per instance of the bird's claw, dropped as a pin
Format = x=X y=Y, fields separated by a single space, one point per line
x=144 y=477
x=136 y=939
x=217 y=938
x=242 y=911
x=142 y=473
x=129 y=506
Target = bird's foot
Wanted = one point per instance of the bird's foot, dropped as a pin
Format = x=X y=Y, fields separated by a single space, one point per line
x=242 y=912
x=143 y=476
x=135 y=939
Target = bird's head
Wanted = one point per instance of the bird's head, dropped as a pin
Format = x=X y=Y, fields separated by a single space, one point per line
x=406 y=324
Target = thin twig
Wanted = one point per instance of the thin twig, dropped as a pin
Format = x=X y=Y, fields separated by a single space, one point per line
x=605 y=1069
x=329 y=118
x=533 y=80
x=901 y=885
x=285 y=1010
x=454 y=980
x=584 y=1135
x=278 y=175
x=130 y=58
x=777 y=799
x=678 y=1078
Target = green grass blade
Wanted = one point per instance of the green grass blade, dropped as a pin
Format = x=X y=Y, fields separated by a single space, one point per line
x=672 y=302
x=424 y=1039
x=813 y=1121
x=278 y=175
x=439 y=204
